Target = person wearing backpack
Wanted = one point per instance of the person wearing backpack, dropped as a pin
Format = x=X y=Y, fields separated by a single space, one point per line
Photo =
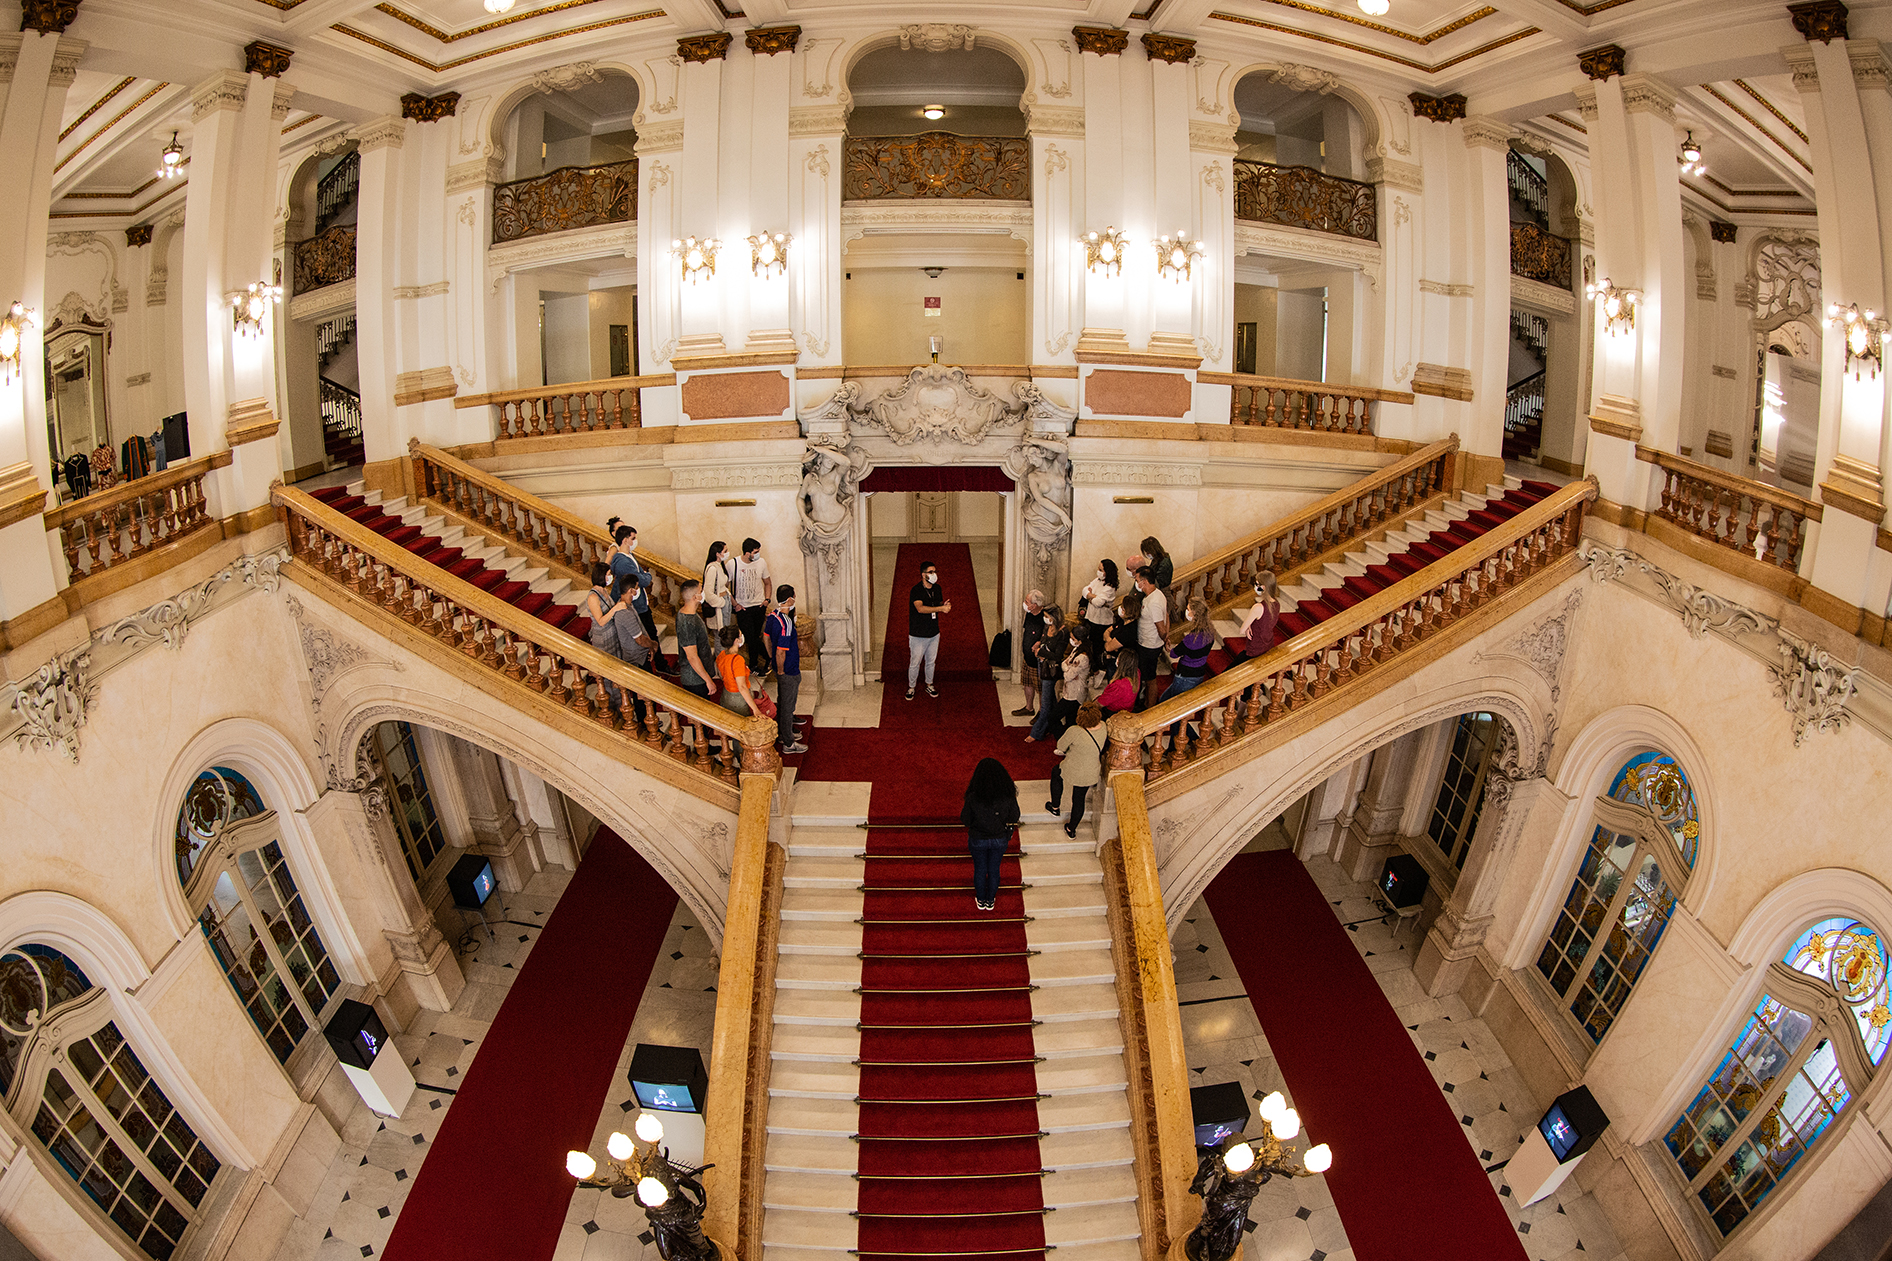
x=989 y=814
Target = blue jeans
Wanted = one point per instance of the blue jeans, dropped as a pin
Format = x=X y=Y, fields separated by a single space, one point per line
x=1047 y=701
x=1180 y=684
x=919 y=650
x=987 y=853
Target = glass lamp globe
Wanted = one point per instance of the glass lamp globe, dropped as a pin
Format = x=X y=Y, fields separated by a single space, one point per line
x=499 y=6
x=1318 y=1159
x=1374 y=8
x=651 y=1193
x=620 y=1146
x=1273 y=1106
x=1239 y=1158
x=1288 y=1126
x=579 y=1165
x=1107 y=252
x=934 y=112
x=649 y=1128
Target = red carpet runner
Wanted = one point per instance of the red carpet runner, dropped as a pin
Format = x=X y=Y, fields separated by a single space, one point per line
x=948 y=1145
x=1406 y=1183
x=494 y=1186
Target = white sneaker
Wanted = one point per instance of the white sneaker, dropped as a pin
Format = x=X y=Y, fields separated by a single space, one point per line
x=791 y=750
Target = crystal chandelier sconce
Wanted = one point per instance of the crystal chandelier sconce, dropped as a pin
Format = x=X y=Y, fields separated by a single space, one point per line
x=768 y=253
x=1618 y=305
x=13 y=329
x=697 y=256
x=499 y=6
x=1866 y=336
x=1691 y=156
x=1374 y=8
x=171 y=161
x=1229 y=1179
x=671 y=1195
x=1103 y=251
x=1177 y=256
x=249 y=308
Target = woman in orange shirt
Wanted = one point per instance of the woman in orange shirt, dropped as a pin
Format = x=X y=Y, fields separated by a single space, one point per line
x=739 y=686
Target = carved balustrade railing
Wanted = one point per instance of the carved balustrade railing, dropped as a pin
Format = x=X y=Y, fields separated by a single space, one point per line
x=1301 y=197
x=936 y=164
x=573 y=407
x=570 y=197
x=1320 y=529
x=1763 y=522
x=1541 y=256
x=1247 y=703
x=1284 y=403
x=551 y=534
x=110 y=527
x=341 y=408
x=1524 y=416
x=327 y=258
x=520 y=655
x=1527 y=187
x=334 y=191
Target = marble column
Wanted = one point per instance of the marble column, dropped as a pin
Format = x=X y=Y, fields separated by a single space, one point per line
x=1375 y=820
x=492 y=820
x=1488 y=147
x=377 y=263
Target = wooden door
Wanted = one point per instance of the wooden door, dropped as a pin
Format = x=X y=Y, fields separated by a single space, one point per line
x=932 y=516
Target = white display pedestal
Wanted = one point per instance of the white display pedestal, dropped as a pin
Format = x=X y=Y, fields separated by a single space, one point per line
x=385 y=1085
x=1534 y=1172
x=683 y=1135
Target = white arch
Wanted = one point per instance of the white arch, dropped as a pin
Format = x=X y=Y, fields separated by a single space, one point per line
x=99 y=945
x=508 y=99
x=285 y=779
x=1363 y=104
x=1512 y=690
x=1583 y=772
x=981 y=36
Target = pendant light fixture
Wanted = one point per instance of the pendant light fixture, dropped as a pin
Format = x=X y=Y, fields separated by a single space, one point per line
x=499 y=6
x=171 y=161
x=1374 y=8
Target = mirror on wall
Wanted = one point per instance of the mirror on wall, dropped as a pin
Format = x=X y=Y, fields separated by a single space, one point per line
x=75 y=393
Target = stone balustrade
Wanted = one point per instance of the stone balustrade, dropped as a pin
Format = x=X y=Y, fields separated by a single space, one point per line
x=110 y=527
x=1742 y=515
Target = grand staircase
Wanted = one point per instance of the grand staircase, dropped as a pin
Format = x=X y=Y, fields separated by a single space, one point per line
x=851 y=1134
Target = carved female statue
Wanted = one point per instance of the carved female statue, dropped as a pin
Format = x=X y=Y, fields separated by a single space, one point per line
x=826 y=498
x=1047 y=487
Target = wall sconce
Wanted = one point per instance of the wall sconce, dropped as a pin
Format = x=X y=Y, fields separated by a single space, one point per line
x=699 y=257
x=1103 y=251
x=171 y=161
x=248 y=308
x=19 y=318
x=1177 y=256
x=933 y=113
x=1691 y=156
x=768 y=253
x=1619 y=305
x=1866 y=335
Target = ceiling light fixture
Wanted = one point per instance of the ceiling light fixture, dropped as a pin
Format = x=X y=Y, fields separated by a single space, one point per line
x=1691 y=156
x=933 y=112
x=499 y=6
x=171 y=161
x=1177 y=256
x=1103 y=251
x=1374 y=8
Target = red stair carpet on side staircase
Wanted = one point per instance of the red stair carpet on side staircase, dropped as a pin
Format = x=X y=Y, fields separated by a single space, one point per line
x=493 y=1186
x=1407 y=1184
x=948 y=1149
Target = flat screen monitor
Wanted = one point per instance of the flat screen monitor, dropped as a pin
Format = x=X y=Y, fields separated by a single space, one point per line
x=1218 y=1112
x=471 y=881
x=1559 y=1133
x=1573 y=1124
x=355 y=1033
x=668 y=1078
x=1403 y=881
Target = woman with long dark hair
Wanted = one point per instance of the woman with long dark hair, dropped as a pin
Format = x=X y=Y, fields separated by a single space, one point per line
x=717 y=610
x=990 y=814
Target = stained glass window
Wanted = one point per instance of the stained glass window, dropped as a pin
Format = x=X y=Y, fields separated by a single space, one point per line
x=1462 y=791
x=216 y=798
x=1850 y=957
x=101 y=1116
x=1620 y=902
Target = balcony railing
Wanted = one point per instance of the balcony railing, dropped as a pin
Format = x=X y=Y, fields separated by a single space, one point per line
x=341 y=409
x=327 y=258
x=571 y=408
x=110 y=527
x=1248 y=703
x=1528 y=188
x=1541 y=256
x=1284 y=403
x=936 y=164
x=336 y=190
x=1324 y=527
x=570 y=197
x=1301 y=197
x=1763 y=522
x=1524 y=416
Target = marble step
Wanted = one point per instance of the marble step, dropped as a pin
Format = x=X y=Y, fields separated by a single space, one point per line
x=819 y=936
x=1065 y=899
x=810 y=1192
x=1080 y=1075
x=1068 y=932
x=1087 y=1226
x=1056 y=1039
x=821 y=904
x=825 y=871
x=814 y=1079
x=818 y=972
x=841 y=1043
x=1074 y=1002
x=831 y=1154
x=822 y=1154
x=1114 y=1250
x=817 y=1007
x=843 y=842
x=1064 y=1190
x=1072 y=967
x=837 y=1118
x=832 y=1043
x=1044 y=870
x=823 y=1234
x=1067 y=1189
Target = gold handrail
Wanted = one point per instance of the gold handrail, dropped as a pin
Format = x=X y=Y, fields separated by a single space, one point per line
x=1320 y=527
x=1707 y=502
x=531 y=655
x=548 y=531
x=1352 y=642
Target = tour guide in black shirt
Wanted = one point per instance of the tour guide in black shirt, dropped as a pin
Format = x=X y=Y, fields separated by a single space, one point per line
x=925 y=603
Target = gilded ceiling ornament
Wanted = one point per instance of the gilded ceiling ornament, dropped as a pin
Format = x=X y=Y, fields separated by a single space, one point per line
x=1440 y=109
x=48 y=17
x=268 y=60
x=1103 y=40
x=138 y=234
x=1723 y=232
x=429 y=109
x=766 y=41
x=1169 y=49
x=1824 y=20
x=704 y=48
x=1602 y=63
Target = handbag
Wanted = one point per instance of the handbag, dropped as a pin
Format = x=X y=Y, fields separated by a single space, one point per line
x=765 y=704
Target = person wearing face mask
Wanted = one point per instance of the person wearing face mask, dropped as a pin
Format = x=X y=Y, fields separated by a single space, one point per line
x=925 y=603
x=630 y=581
x=739 y=685
x=785 y=654
x=1100 y=604
x=1053 y=651
x=716 y=587
x=1031 y=633
x=1258 y=624
x=751 y=601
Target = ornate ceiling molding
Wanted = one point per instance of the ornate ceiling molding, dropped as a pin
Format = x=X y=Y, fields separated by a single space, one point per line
x=1382 y=54
x=429 y=109
x=269 y=60
x=766 y=41
x=936 y=37
x=1105 y=41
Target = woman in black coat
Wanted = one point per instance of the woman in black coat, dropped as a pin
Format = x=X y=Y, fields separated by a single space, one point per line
x=990 y=814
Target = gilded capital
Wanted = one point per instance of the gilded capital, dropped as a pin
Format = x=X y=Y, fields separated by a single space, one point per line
x=699 y=48
x=1105 y=41
x=429 y=109
x=766 y=41
x=1822 y=20
x=137 y=234
x=1440 y=109
x=267 y=60
x=1602 y=63
x=48 y=17
x=1169 y=49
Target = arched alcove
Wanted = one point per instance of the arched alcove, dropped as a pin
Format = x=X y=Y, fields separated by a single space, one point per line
x=579 y=119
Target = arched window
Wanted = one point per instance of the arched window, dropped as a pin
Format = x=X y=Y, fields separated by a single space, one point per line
x=237 y=882
x=78 y=1085
x=1648 y=830
x=422 y=838
x=1462 y=791
x=1789 y=1072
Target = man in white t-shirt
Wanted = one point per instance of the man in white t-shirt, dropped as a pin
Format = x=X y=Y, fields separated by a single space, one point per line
x=750 y=593
x=1152 y=627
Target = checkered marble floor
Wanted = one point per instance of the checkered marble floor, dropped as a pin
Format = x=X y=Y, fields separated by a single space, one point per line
x=355 y=1209
x=1296 y=1220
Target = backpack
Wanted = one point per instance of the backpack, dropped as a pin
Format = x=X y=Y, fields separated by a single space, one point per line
x=1001 y=656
